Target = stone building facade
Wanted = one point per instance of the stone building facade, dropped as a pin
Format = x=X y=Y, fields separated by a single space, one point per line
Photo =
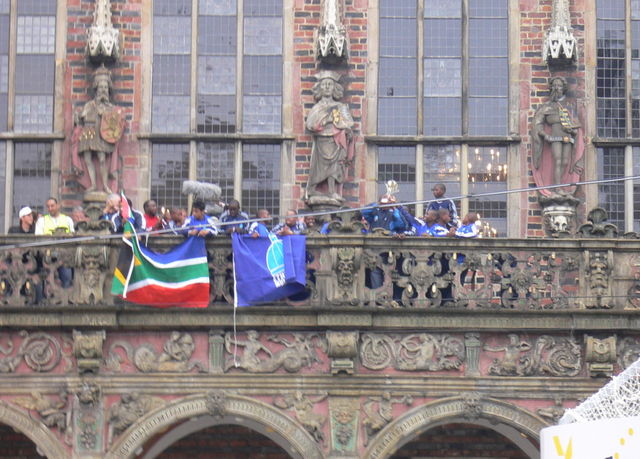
x=494 y=347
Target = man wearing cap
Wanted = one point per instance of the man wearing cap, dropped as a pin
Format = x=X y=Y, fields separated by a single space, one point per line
x=25 y=225
x=54 y=220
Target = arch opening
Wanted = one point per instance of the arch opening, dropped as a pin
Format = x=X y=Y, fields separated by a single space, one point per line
x=16 y=444
x=466 y=440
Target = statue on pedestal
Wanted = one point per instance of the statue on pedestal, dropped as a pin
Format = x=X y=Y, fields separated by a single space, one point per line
x=330 y=122
x=557 y=157
x=99 y=126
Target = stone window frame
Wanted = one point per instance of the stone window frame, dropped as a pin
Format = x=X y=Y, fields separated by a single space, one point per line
x=240 y=140
x=12 y=139
x=510 y=140
x=627 y=146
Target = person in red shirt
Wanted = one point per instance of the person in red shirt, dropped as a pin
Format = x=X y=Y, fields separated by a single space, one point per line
x=151 y=217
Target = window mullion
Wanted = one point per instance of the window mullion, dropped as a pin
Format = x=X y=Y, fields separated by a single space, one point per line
x=239 y=66
x=13 y=40
x=419 y=179
x=420 y=67
x=628 y=189
x=628 y=71
x=237 y=172
x=193 y=100
x=464 y=179
x=465 y=68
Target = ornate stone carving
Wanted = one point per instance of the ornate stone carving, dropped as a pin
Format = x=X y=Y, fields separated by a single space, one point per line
x=553 y=413
x=345 y=263
x=131 y=407
x=423 y=281
x=222 y=280
x=330 y=122
x=377 y=413
x=174 y=358
x=344 y=413
x=303 y=408
x=416 y=352
x=600 y=355
x=19 y=276
x=88 y=418
x=216 y=351
x=521 y=283
x=558 y=214
x=53 y=411
x=548 y=356
x=89 y=394
x=628 y=352
x=560 y=46
x=40 y=351
x=301 y=352
x=103 y=44
x=216 y=403
x=472 y=345
x=91 y=270
x=87 y=349
x=598 y=274
x=330 y=38
x=597 y=225
x=342 y=350
x=472 y=402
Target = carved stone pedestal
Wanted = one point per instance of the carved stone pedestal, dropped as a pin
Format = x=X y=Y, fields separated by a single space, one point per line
x=559 y=214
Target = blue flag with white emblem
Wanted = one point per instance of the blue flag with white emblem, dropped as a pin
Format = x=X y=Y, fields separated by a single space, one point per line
x=267 y=269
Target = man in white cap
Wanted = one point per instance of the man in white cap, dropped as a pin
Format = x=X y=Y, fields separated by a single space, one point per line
x=25 y=225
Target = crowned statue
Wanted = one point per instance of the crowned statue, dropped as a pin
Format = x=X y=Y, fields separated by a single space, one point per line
x=99 y=126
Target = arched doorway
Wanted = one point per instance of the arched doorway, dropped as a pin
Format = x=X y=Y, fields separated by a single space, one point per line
x=227 y=441
x=460 y=440
x=15 y=444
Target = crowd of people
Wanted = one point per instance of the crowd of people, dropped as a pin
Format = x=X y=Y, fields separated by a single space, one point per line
x=439 y=220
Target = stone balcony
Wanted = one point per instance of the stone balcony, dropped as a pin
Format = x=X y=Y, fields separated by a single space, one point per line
x=497 y=332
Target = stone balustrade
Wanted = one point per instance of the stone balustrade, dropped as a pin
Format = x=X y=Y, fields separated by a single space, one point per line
x=363 y=273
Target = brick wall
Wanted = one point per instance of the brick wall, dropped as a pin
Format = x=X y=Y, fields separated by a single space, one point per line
x=535 y=20
x=127 y=82
x=306 y=20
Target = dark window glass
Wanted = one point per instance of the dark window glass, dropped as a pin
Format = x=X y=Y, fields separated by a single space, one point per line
x=34 y=74
x=487 y=115
x=46 y=7
x=217 y=35
x=488 y=174
x=263 y=7
x=171 y=75
x=216 y=164
x=172 y=7
x=216 y=74
x=440 y=9
x=488 y=76
x=398 y=8
x=397 y=77
x=397 y=116
x=636 y=189
x=216 y=114
x=610 y=9
x=169 y=168
x=610 y=79
x=398 y=37
x=171 y=35
x=442 y=165
x=217 y=7
x=442 y=37
x=4 y=34
x=3 y=178
x=488 y=8
x=611 y=195
x=31 y=175
x=262 y=75
x=398 y=163
x=261 y=178
x=442 y=116
x=482 y=37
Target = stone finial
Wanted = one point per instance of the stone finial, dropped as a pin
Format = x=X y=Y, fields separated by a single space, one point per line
x=343 y=350
x=87 y=349
x=560 y=45
x=331 y=37
x=103 y=44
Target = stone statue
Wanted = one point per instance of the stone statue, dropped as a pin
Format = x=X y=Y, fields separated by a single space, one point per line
x=330 y=122
x=99 y=127
x=557 y=142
